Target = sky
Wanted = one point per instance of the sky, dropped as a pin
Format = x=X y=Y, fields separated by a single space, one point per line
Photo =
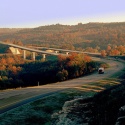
x=34 y=13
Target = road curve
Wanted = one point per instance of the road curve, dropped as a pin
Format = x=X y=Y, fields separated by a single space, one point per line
x=10 y=99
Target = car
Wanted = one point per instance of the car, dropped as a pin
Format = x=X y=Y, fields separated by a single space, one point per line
x=101 y=70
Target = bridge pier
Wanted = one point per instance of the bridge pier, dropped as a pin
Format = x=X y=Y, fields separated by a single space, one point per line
x=44 y=56
x=56 y=51
x=16 y=51
x=24 y=54
x=34 y=56
x=67 y=53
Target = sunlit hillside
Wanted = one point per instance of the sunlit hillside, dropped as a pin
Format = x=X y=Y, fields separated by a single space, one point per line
x=65 y=36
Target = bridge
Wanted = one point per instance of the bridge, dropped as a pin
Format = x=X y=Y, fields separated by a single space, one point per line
x=66 y=50
x=44 y=53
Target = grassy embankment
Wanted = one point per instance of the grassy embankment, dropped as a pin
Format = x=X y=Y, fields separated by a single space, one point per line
x=40 y=111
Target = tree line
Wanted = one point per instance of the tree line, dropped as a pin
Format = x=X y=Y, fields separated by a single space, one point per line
x=78 y=37
x=113 y=50
x=16 y=73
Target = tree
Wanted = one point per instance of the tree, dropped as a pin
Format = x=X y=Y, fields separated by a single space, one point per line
x=121 y=49
x=2 y=67
x=19 y=42
x=62 y=75
x=114 y=52
x=108 y=49
x=103 y=53
x=87 y=58
x=10 y=60
x=3 y=61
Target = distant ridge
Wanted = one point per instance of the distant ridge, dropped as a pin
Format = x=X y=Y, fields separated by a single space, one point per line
x=92 y=34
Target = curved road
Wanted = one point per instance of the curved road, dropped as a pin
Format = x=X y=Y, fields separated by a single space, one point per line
x=10 y=99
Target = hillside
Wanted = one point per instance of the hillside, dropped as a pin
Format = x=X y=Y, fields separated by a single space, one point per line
x=65 y=36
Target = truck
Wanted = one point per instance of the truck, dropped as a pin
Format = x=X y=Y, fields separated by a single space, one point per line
x=101 y=70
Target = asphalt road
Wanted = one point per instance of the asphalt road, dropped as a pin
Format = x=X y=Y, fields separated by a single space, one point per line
x=10 y=99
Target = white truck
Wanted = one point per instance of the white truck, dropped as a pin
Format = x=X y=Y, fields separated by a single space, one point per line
x=101 y=70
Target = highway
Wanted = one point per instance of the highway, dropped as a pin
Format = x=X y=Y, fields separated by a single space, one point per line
x=35 y=49
x=65 y=50
x=10 y=99
x=28 y=49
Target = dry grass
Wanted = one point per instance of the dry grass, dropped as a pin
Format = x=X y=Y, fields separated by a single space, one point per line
x=40 y=111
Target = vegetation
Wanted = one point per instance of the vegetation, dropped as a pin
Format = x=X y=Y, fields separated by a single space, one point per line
x=15 y=72
x=47 y=110
x=114 y=99
x=107 y=38
x=89 y=37
x=113 y=51
x=40 y=111
x=3 y=48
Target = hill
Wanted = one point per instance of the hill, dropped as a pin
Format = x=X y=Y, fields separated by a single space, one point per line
x=96 y=35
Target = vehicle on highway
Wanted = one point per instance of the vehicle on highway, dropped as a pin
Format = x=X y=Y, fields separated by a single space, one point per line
x=101 y=70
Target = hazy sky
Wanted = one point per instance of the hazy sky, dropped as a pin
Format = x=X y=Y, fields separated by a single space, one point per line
x=33 y=13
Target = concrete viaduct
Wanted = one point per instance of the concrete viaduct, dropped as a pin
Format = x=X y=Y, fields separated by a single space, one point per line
x=44 y=53
x=67 y=51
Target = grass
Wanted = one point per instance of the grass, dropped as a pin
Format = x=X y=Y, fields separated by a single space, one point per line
x=41 y=111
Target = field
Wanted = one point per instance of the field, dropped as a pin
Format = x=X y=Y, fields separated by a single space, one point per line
x=46 y=110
